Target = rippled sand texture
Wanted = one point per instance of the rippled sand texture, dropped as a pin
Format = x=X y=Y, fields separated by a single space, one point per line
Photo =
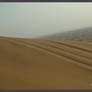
x=45 y=64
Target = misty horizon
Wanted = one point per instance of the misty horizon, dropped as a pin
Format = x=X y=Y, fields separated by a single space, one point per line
x=31 y=20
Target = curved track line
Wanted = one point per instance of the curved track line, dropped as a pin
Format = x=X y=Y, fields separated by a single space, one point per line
x=85 y=44
x=75 y=51
x=73 y=46
x=68 y=54
x=66 y=48
x=50 y=52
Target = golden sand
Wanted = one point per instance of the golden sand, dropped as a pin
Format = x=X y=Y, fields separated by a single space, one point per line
x=45 y=64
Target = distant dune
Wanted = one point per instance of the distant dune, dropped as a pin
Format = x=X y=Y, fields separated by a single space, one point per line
x=84 y=34
x=45 y=64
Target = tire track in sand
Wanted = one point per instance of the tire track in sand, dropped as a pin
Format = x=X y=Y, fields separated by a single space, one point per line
x=54 y=53
x=64 y=50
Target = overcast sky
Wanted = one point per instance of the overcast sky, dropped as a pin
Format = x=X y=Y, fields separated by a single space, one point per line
x=38 y=19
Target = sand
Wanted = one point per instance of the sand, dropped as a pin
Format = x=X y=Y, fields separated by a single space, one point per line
x=45 y=64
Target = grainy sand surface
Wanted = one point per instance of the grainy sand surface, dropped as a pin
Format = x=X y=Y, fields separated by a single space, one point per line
x=45 y=64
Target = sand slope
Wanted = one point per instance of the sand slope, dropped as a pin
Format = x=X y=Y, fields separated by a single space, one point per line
x=45 y=64
x=84 y=34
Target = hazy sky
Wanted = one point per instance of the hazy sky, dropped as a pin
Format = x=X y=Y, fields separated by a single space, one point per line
x=38 y=19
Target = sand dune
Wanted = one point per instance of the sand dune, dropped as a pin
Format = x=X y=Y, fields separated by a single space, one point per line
x=84 y=34
x=45 y=64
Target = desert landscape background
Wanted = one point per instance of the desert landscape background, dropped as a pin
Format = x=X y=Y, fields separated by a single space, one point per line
x=45 y=46
x=45 y=64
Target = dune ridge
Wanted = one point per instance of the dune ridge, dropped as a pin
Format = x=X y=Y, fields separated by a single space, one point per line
x=83 y=34
x=45 y=64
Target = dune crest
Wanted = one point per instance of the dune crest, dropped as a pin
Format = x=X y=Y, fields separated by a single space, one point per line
x=45 y=64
